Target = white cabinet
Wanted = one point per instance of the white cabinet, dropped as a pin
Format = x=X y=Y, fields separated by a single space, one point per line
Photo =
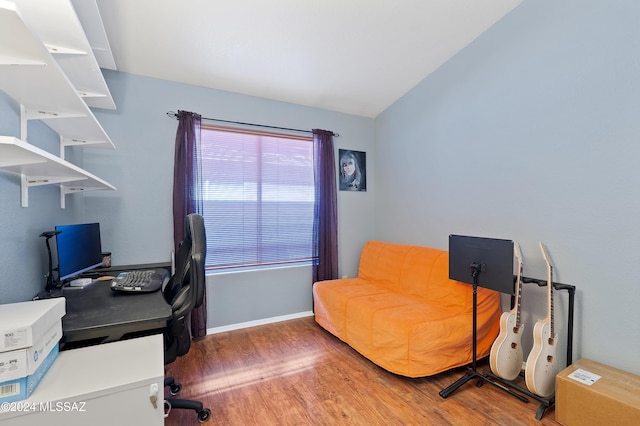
x=56 y=88
x=108 y=384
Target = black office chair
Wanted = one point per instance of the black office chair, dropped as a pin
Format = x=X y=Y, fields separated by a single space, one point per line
x=185 y=291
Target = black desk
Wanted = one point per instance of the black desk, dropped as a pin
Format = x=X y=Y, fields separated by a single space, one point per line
x=95 y=314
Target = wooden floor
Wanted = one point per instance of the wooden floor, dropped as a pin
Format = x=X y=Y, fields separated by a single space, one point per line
x=296 y=373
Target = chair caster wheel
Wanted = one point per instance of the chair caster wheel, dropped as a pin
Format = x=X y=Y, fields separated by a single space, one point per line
x=204 y=415
x=175 y=388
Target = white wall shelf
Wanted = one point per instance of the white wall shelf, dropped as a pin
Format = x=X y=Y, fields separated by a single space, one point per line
x=40 y=83
x=32 y=77
x=38 y=167
x=89 y=15
x=69 y=46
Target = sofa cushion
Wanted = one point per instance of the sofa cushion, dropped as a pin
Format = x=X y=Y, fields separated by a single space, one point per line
x=361 y=315
x=421 y=340
x=414 y=271
x=331 y=298
x=402 y=337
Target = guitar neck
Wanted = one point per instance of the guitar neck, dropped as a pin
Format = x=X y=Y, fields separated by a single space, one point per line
x=550 y=296
x=549 y=289
x=518 y=254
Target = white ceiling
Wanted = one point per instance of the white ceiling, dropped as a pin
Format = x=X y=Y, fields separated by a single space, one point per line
x=351 y=56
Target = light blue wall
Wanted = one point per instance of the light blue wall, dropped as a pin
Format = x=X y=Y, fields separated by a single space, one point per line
x=136 y=220
x=23 y=254
x=532 y=133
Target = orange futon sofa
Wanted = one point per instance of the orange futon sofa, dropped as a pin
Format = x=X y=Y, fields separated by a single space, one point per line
x=404 y=313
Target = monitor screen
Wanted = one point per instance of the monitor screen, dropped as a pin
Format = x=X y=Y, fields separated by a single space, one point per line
x=79 y=249
x=493 y=256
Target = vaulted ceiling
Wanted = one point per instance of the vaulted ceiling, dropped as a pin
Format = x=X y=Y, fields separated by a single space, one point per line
x=351 y=56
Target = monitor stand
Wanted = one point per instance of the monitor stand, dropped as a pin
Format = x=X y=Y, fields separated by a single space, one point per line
x=49 y=294
x=51 y=282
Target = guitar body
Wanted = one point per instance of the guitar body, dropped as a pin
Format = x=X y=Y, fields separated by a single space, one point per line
x=506 y=356
x=542 y=367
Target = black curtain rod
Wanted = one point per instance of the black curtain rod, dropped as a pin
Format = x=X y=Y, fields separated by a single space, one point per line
x=172 y=114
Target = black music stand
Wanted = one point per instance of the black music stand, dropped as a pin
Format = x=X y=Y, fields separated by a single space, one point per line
x=484 y=262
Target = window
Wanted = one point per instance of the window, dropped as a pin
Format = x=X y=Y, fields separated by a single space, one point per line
x=258 y=197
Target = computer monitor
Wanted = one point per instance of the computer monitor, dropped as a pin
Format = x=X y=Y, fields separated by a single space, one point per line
x=79 y=249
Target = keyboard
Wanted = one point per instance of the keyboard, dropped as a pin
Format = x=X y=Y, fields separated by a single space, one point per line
x=140 y=281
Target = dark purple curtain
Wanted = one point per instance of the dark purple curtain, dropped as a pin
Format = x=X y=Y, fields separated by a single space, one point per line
x=325 y=222
x=187 y=182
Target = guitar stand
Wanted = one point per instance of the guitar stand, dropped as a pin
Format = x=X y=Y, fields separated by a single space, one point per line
x=473 y=372
x=545 y=402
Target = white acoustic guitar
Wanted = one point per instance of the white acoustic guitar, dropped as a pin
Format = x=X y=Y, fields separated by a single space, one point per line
x=542 y=365
x=506 y=356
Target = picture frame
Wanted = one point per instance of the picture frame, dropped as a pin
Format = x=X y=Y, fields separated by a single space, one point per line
x=352 y=170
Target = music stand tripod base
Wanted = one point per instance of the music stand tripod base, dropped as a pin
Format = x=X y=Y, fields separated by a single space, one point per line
x=475 y=272
x=473 y=373
x=469 y=375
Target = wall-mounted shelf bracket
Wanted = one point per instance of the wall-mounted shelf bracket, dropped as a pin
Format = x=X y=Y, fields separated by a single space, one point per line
x=27 y=182
x=37 y=167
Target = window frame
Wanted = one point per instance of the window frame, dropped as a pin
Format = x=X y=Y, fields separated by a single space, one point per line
x=260 y=263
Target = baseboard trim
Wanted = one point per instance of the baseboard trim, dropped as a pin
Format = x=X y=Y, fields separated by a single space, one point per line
x=255 y=323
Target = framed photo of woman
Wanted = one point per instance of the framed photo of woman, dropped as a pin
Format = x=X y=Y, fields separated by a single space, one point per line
x=352 y=170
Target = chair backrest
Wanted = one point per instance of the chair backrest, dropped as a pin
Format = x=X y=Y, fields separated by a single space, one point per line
x=185 y=289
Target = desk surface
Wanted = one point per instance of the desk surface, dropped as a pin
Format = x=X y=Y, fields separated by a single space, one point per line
x=96 y=313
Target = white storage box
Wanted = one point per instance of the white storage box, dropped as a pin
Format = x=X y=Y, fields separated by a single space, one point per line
x=22 y=388
x=25 y=323
x=24 y=362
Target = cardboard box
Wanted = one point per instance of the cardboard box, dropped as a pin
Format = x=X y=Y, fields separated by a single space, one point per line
x=24 y=362
x=588 y=392
x=22 y=388
x=23 y=324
